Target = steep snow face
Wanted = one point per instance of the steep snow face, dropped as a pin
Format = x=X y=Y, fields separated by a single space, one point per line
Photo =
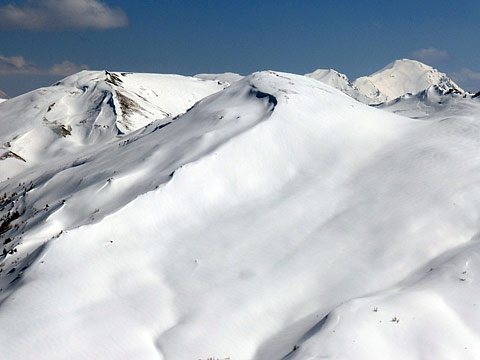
x=227 y=77
x=88 y=108
x=401 y=77
x=339 y=81
x=276 y=219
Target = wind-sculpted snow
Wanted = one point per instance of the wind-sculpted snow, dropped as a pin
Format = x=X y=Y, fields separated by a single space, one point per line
x=276 y=219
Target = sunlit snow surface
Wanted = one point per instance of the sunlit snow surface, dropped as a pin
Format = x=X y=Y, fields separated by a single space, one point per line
x=276 y=219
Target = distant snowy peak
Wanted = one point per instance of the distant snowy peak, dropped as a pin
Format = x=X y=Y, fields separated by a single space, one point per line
x=227 y=77
x=402 y=77
x=394 y=80
x=330 y=77
x=333 y=78
x=339 y=81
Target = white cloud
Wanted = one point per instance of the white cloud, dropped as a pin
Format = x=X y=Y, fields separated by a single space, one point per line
x=470 y=74
x=468 y=79
x=430 y=54
x=18 y=65
x=50 y=15
x=66 y=68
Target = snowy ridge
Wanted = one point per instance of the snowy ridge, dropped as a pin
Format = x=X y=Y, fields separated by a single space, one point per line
x=276 y=219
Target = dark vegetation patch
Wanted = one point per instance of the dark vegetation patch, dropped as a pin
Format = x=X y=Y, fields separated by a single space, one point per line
x=7 y=220
x=158 y=127
x=11 y=154
x=113 y=78
x=128 y=107
x=62 y=130
x=59 y=129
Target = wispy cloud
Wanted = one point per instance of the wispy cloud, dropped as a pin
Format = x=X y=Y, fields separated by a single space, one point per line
x=430 y=54
x=469 y=79
x=51 y=15
x=18 y=65
x=470 y=74
x=66 y=68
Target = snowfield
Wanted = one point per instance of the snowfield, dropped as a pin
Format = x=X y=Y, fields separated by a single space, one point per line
x=277 y=218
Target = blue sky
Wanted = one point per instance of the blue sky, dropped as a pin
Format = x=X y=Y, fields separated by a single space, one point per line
x=44 y=40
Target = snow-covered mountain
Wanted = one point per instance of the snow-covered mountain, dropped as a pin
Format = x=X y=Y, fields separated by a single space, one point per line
x=401 y=77
x=394 y=80
x=277 y=218
x=88 y=108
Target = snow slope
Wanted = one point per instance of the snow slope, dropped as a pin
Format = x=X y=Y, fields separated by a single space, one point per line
x=276 y=219
x=401 y=77
x=88 y=108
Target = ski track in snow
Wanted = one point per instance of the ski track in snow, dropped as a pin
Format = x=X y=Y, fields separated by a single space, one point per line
x=277 y=218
